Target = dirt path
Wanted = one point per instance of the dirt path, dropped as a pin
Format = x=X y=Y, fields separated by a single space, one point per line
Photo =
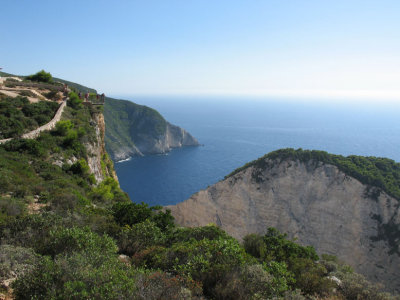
x=49 y=126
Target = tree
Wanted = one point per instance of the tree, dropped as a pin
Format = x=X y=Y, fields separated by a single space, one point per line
x=41 y=76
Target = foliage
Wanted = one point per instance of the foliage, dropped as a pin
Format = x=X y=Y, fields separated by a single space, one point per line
x=18 y=116
x=41 y=76
x=74 y=101
x=355 y=286
x=206 y=261
x=302 y=272
x=139 y=237
x=133 y=213
x=160 y=285
x=247 y=282
x=15 y=261
x=85 y=269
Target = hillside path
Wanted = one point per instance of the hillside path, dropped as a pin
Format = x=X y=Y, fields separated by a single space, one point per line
x=48 y=126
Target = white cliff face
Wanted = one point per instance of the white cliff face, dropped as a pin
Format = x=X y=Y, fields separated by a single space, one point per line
x=315 y=203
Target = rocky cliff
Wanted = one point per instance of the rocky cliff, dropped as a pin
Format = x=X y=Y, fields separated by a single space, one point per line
x=97 y=157
x=312 y=201
x=134 y=129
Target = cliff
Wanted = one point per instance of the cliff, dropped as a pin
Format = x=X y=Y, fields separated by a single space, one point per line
x=97 y=157
x=313 y=201
x=134 y=129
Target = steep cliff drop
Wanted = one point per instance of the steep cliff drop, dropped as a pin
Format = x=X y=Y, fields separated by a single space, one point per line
x=312 y=201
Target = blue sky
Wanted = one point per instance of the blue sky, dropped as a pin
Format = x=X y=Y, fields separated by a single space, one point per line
x=311 y=48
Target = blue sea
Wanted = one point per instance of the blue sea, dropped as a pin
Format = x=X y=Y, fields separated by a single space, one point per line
x=234 y=131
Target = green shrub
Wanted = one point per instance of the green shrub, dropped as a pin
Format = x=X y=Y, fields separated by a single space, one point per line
x=15 y=261
x=63 y=127
x=69 y=240
x=139 y=237
x=74 y=101
x=41 y=76
x=129 y=213
x=247 y=282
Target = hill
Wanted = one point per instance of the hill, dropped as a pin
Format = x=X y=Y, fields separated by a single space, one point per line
x=134 y=129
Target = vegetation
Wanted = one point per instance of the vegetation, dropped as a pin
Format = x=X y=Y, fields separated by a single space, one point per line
x=382 y=173
x=41 y=76
x=18 y=116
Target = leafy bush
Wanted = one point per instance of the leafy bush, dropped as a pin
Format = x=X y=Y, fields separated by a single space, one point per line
x=15 y=261
x=74 y=101
x=63 y=127
x=159 y=285
x=41 y=76
x=129 y=213
x=139 y=237
x=79 y=275
x=247 y=282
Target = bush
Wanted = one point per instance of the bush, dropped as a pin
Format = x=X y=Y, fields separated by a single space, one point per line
x=41 y=76
x=355 y=286
x=77 y=276
x=139 y=237
x=74 y=101
x=246 y=282
x=159 y=285
x=63 y=127
x=15 y=261
x=129 y=213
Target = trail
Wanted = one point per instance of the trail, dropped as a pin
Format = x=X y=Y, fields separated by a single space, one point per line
x=48 y=126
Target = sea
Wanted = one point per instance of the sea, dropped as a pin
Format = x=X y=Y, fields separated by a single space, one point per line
x=235 y=130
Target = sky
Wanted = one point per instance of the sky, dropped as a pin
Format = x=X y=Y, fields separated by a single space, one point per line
x=296 y=48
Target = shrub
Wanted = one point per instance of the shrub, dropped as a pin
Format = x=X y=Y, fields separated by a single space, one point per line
x=246 y=282
x=15 y=261
x=159 y=285
x=41 y=76
x=184 y=234
x=129 y=213
x=79 y=275
x=63 y=127
x=74 y=101
x=80 y=168
x=139 y=237
x=75 y=239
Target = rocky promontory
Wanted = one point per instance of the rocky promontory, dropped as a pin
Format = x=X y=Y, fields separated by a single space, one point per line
x=136 y=130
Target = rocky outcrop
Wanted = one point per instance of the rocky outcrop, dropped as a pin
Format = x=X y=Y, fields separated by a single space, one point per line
x=312 y=201
x=97 y=155
x=173 y=137
x=136 y=130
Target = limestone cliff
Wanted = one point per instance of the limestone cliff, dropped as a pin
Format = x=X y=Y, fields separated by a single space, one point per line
x=97 y=157
x=134 y=129
x=312 y=201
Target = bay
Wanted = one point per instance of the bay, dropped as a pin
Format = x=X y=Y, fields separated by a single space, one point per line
x=234 y=131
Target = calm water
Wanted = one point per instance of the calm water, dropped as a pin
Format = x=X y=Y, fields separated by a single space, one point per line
x=236 y=131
